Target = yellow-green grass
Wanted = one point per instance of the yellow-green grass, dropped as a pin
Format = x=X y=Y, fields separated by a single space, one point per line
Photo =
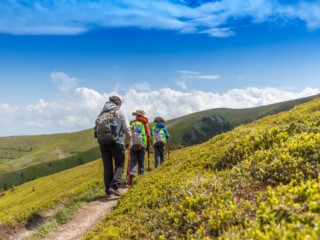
x=82 y=183
x=24 y=158
x=43 y=169
x=259 y=181
x=18 y=152
x=32 y=198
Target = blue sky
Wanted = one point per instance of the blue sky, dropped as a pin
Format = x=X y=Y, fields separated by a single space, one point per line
x=60 y=60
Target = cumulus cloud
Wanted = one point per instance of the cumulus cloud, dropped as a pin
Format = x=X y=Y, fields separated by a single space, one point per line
x=6 y=112
x=80 y=109
x=5 y=108
x=172 y=104
x=65 y=83
x=214 y=18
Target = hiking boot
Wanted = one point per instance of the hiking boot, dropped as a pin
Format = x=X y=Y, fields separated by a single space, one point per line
x=132 y=175
x=116 y=192
x=109 y=193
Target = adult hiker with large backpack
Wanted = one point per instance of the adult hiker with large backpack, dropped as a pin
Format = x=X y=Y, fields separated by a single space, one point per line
x=110 y=127
x=141 y=141
x=159 y=136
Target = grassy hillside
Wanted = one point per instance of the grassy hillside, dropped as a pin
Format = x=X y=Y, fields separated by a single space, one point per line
x=25 y=202
x=259 y=181
x=28 y=200
x=201 y=126
x=23 y=158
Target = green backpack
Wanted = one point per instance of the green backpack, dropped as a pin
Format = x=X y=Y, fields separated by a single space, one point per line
x=139 y=137
x=159 y=137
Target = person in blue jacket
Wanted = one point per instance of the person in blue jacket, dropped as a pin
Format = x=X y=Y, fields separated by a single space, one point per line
x=159 y=136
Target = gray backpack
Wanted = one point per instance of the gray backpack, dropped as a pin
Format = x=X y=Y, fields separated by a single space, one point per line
x=106 y=128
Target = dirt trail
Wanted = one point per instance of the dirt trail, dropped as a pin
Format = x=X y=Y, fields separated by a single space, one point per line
x=84 y=220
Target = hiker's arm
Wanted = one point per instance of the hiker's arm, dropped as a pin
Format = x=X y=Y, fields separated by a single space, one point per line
x=148 y=135
x=166 y=133
x=125 y=125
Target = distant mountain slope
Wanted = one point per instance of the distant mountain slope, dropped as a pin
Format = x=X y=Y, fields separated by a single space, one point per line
x=258 y=181
x=23 y=158
x=201 y=126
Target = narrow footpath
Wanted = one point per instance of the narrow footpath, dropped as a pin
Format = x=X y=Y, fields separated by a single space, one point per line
x=85 y=219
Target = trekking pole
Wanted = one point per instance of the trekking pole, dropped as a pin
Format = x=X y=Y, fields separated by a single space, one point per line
x=128 y=168
x=148 y=159
x=168 y=151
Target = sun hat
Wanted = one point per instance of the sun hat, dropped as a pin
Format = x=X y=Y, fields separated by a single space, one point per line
x=139 y=112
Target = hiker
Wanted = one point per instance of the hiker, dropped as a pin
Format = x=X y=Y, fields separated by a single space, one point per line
x=141 y=141
x=111 y=126
x=159 y=135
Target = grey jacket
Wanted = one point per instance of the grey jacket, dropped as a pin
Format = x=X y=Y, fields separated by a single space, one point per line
x=122 y=121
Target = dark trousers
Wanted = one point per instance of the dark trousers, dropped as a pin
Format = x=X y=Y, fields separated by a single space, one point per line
x=137 y=158
x=112 y=156
x=158 y=155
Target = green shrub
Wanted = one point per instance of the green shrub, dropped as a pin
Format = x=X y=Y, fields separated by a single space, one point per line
x=258 y=181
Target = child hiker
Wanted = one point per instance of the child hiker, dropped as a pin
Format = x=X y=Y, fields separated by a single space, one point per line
x=141 y=141
x=159 y=135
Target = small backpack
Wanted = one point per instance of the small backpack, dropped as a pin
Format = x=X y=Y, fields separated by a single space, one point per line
x=159 y=138
x=139 y=138
x=106 y=128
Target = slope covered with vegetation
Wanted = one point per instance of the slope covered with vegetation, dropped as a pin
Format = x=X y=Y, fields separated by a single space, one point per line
x=201 y=126
x=31 y=199
x=23 y=158
x=259 y=181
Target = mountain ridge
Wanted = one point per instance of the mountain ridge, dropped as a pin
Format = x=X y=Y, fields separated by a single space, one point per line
x=23 y=158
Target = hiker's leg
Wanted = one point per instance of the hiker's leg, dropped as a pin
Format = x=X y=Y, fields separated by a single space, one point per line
x=119 y=157
x=133 y=162
x=106 y=156
x=156 y=156
x=161 y=153
x=141 y=155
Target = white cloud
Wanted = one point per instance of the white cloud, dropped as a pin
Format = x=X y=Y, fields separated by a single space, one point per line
x=144 y=86
x=186 y=76
x=219 y=32
x=9 y=120
x=7 y=112
x=207 y=77
x=79 y=111
x=171 y=104
x=182 y=84
x=188 y=72
x=65 y=83
x=216 y=18
x=5 y=108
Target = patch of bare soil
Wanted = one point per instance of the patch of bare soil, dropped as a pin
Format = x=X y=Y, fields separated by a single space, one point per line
x=83 y=220
x=59 y=152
